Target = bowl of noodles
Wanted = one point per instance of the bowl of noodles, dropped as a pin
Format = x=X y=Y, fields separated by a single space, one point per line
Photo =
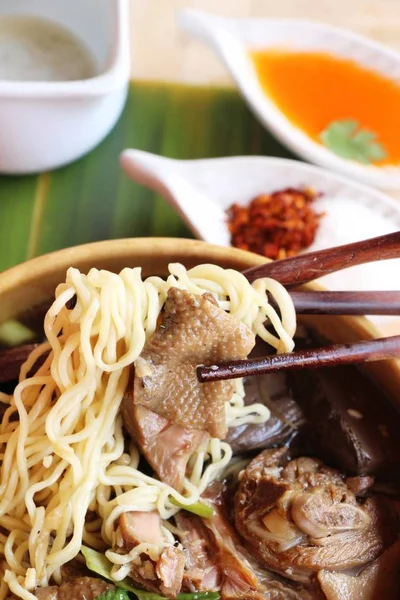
x=124 y=477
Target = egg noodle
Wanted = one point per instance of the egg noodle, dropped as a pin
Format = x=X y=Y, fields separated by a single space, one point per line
x=66 y=472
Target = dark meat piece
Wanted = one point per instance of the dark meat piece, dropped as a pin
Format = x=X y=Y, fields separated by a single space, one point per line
x=216 y=560
x=238 y=578
x=192 y=331
x=74 y=569
x=83 y=588
x=169 y=570
x=3 y=408
x=359 y=485
x=286 y=416
x=300 y=517
x=201 y=572
x=163 y=576
x=11 y=361
x=378 y=581
x=167 y=447
x=53 y=592
x=350 y=422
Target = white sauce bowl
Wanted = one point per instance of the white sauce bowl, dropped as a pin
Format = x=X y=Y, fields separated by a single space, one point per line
x=46 y=124
x=232 y=39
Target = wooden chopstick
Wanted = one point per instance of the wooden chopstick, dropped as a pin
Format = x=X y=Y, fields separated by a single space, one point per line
x=300 y=269
x=327 y=356
x=345 y=303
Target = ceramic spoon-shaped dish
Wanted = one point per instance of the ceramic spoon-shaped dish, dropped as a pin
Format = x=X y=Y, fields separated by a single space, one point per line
x=202 y=190
x=232 y=39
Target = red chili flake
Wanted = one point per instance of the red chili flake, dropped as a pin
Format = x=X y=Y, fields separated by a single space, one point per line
x=275 y=225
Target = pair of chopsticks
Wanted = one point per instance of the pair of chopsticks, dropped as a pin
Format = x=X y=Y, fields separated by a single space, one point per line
x=293 y=272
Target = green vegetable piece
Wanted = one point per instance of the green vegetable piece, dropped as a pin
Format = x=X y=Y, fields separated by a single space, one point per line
x=198 y=508
x=14 y=333
x=114 y=595
x=346 y=139
x=98 y=563
x=144 y=595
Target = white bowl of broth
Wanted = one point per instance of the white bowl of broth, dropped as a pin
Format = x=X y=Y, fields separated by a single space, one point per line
x=27 y=288
x=64 y=71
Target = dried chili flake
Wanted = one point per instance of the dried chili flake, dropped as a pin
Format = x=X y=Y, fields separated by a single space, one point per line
x=275 y=225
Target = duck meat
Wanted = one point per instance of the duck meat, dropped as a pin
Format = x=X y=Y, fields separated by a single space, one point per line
x=217 y=560
x=299 y=517
x=378 y=581
x=164 y=575
x=139 y=526
x=201 y=571
x=12 y=359
x=192 y=330
x=166 y=410
x=167 y=447
x=284 y=423
x=349 y=421
x=82 y=588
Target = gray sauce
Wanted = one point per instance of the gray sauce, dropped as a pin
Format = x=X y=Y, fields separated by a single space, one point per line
x=34 y=49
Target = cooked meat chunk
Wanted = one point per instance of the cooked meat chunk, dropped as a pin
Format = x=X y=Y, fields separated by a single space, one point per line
x=378 y=581
x=286 y=416
x=169 y=569
x=167 y=447
x=11 y=361
x=83 y=588
x=73 y=569
x=350 y=422
x=300 y=517
x=238 y=578
x=138 y=526
x=3 y=408
x=201 y=572
x=192 y=330
x=52 y=592
x=216 y=560
x=360 y=485
x=163 y=575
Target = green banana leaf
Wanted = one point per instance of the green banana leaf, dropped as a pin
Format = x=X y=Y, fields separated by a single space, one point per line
x=92 y=199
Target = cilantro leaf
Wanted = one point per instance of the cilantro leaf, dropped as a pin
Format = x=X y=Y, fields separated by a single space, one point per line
x=114 y=595
x=346 y=139
x=98 y=563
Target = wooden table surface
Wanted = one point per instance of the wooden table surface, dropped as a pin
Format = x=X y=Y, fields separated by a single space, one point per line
x=160 y=51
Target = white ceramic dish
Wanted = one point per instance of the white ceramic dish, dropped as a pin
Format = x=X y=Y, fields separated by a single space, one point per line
x=47 y=124
x=232 y=39
x=201 y=191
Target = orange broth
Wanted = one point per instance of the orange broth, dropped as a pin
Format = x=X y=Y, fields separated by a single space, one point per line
x=314 y=89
